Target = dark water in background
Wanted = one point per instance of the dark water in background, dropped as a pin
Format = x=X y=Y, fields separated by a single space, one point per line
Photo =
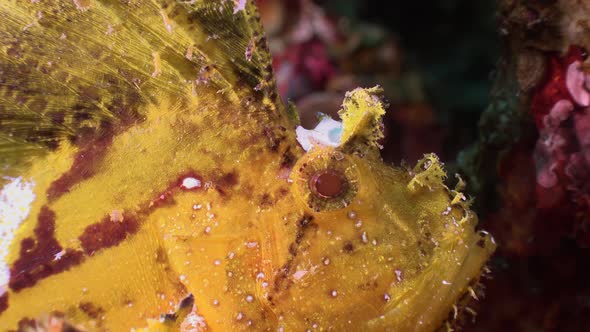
x=453 y=45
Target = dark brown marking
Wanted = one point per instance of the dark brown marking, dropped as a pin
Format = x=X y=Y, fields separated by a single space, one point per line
x=481 y=243
x=27 y=324
x=282 y=193
x=107 y=233
x=164 y=199
x=273 y=140
x=3 y=302
x=91 y=310
x=288 y=159
x=84 y=166
x=282 y=278
x=170 y=317
x=42 y=257
x=226 y=182
x=187 y=302
x=348 y=247
x=161 y=256
x=266 y=201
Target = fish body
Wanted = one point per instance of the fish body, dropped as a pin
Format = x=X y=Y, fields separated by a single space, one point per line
x=171 y=192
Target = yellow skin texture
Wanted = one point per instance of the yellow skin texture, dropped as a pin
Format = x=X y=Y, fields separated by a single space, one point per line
x=248 y=245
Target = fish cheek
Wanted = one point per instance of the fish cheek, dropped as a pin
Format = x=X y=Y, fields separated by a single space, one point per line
x=337 y=274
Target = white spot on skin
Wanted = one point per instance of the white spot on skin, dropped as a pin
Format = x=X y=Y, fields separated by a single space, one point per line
x=327 y=133
x=193 y=322
x=299 y=274
x=117 y=216
x=191 y=183
x=575 y=80
x=16 y=198
x=249 y=298
x=59 y=255
x=166 y=20
x=364 y=237
x=157 y=65
x=239 y=5
x=249 y=50
x=251 y=245
x=82 y=5
x=398 y=275
x=334 y=293
x=189 y=53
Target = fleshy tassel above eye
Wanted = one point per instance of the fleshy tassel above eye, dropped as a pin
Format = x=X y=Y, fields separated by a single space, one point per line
x=361 y=113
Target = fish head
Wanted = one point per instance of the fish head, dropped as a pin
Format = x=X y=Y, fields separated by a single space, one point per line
x=377 y=246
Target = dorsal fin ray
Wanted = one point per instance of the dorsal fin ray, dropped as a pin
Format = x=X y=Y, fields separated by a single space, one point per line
x=75 y=70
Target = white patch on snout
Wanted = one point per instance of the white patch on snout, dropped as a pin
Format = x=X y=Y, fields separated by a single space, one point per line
x=15 y=203
x=327 y=133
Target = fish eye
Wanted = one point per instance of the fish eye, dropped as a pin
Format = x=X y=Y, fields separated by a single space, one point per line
x=328 y=184
x=325 y=180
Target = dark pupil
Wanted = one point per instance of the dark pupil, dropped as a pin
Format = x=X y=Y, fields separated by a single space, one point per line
x=328 y=184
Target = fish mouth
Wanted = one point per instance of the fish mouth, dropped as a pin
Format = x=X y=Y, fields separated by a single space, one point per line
x=427 y=303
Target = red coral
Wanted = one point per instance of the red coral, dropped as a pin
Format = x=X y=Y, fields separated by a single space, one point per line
x=562 y=153
x=554 y=89
x=302 y=67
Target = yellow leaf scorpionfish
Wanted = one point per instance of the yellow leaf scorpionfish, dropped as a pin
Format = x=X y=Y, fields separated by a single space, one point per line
x=153 y=180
